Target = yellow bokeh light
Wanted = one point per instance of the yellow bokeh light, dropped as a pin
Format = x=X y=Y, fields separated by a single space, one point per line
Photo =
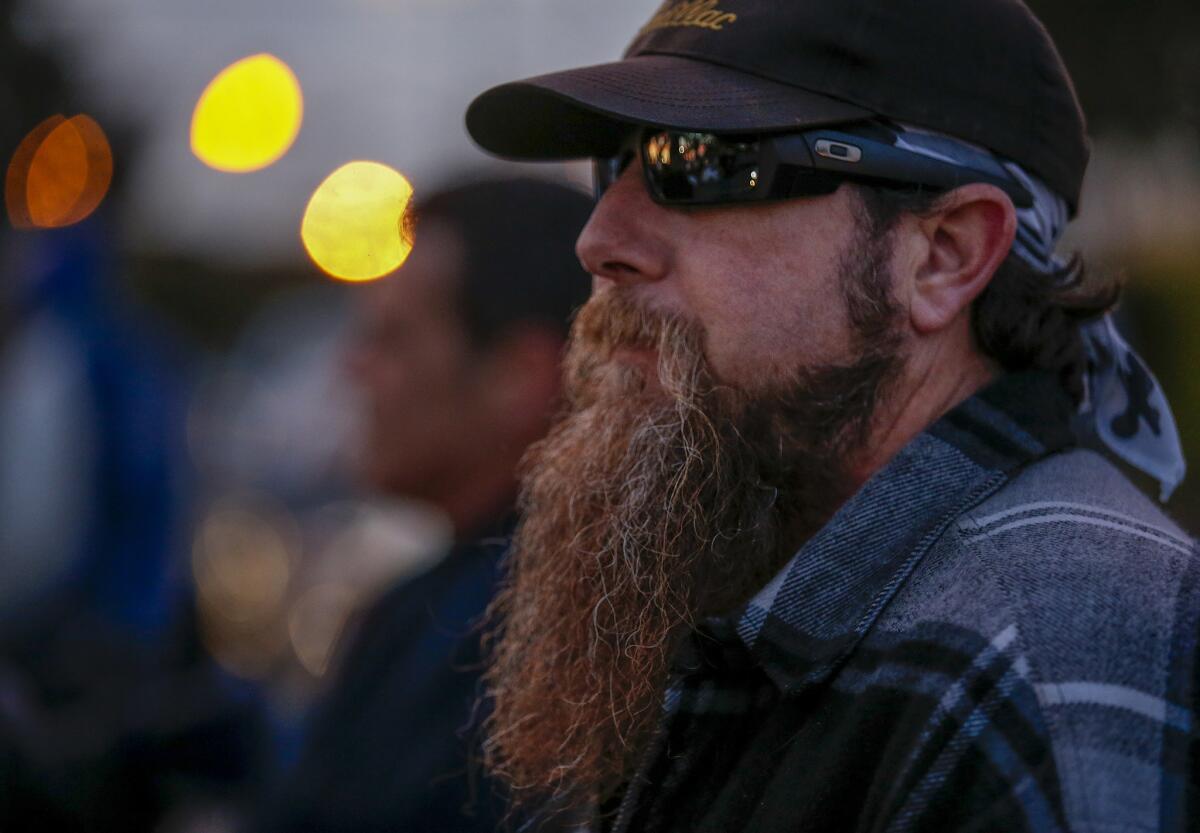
x=355 y=227
x=248 y=116
x=59 y=174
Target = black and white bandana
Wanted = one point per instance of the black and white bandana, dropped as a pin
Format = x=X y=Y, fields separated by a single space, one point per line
x=1123 y=403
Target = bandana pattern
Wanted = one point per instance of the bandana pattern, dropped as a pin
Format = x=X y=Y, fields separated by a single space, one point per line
x=1124 y=405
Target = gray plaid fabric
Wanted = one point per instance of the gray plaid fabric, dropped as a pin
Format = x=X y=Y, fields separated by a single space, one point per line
x=998 y=632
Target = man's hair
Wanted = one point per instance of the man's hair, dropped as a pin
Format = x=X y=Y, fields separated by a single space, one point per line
x=1023 y=319
x=520 y=267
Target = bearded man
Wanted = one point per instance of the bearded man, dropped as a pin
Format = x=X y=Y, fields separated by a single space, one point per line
x=817 y=545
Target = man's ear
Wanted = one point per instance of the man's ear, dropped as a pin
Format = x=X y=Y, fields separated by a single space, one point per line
x=966 y=238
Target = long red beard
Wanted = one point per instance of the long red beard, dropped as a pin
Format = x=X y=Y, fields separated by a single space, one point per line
x=644 y=510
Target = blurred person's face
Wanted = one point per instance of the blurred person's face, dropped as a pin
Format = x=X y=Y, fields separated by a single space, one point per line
x=723 y=382
x=414 y=363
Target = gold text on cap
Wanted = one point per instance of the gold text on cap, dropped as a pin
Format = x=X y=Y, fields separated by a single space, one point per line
x=702 y=14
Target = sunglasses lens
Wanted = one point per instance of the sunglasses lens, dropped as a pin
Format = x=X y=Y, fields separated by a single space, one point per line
x=604 y=173
x=607 y=170
x=700 y=168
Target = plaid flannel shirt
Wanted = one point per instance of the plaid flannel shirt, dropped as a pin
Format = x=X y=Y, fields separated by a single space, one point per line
x=998 y=632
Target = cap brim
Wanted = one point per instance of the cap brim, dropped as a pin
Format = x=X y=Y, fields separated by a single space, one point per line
x=586 y=112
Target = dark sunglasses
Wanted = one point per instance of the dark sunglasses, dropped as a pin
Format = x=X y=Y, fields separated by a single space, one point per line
x=697 y=169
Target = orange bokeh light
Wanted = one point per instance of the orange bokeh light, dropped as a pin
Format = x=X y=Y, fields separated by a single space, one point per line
x=59 y=174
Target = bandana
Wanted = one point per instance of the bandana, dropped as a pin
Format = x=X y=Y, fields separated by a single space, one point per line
x=1123 y=404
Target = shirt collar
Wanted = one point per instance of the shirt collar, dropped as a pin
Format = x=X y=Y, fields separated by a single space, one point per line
x=802 y=624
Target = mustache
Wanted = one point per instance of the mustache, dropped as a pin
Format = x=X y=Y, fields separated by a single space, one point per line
x=613 y=320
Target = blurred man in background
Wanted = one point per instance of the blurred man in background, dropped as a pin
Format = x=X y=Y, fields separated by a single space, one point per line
x=458 y=356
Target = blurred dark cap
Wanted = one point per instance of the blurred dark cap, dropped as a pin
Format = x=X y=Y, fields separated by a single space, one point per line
x=518 y=237
x=981 y=70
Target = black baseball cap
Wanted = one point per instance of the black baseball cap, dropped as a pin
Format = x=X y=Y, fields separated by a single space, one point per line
x=981 y=70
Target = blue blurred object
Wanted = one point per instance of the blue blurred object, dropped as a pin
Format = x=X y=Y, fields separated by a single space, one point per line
x=128 y=503
x=111 y=715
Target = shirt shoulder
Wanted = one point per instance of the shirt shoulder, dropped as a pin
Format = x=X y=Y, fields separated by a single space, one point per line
x=1076 y=487
x=1088 y=568
x=1069 y=551
x=1095 y=593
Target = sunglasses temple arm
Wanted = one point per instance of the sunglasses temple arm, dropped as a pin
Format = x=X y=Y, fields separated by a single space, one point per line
x=875 y=160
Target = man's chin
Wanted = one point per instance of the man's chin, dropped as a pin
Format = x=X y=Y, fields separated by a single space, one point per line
x=642 y=364
x=628 y=375
x=645 y=357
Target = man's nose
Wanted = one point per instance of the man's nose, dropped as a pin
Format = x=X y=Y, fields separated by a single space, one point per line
x=626 y=239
